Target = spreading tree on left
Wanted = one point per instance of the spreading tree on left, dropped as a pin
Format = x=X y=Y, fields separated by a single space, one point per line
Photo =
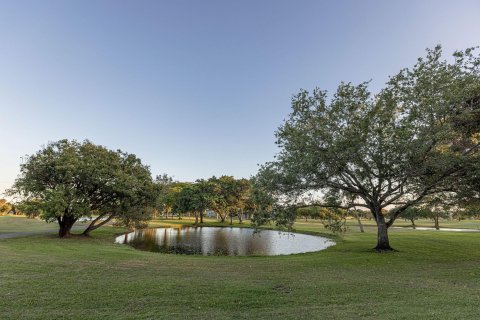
x=67 y=180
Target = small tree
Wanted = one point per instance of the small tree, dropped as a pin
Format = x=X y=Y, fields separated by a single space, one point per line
x=438 y=208
x=243 y=191
x=31 y=208
x=164 y=186
x=305 y=212
x=225 y=193
x=414 y=213
x=196 y=197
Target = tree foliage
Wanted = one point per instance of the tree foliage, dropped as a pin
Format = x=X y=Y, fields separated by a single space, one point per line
x=232 y=195
x=67 y=180
x=196 y=197
x=5 y=206
x=167 y=192
x=416 y=138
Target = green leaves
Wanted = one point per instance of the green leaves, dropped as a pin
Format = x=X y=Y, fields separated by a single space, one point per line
x=196 y=197
x=73 y=179
x=416 y=138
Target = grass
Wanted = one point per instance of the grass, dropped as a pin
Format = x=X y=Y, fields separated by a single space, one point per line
x=434 y=275
x=464 y=224
x=12 y=224
x=9 y=224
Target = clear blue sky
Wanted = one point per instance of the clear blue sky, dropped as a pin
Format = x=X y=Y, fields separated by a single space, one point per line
x=197 y=88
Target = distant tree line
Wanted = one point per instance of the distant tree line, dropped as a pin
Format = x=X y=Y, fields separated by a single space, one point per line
x=228 y=197
x=438 y=209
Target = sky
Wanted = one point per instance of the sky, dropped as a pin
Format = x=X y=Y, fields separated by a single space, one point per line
x=197 y=88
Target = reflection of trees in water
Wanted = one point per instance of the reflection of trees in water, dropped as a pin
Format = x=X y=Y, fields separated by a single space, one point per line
x=223 y=241
x=162 y=239
x=167 y=240
x=236 y=241
x=125 y=238
x=183 y=240
x=254 y=243
x=145 y=240
x=219 y=244
x=197 y=240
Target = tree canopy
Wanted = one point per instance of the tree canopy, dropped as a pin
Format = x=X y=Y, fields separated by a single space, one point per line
x=232 y=195
x=196 y=197
x=67 y=180
x=418 y=137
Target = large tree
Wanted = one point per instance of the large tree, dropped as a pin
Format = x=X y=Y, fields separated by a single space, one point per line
x=416 y=138
x=67 y=180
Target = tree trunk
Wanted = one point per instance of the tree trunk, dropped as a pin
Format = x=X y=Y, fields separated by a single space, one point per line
x=94 y=226
x=383 y=243
x=66 y=223
x=201 y=216
x=437 y=225
x=196 y=217
x=413 y=223
x=231 y=218
x=360 y=225
x=223 y=216
x=239 y=215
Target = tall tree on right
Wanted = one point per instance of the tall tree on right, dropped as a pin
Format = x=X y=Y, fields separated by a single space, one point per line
x=417 y=138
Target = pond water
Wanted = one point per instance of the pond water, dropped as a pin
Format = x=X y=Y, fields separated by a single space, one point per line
x=223 y=241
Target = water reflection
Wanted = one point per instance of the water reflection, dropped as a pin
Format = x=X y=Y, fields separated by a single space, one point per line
x=223 y=241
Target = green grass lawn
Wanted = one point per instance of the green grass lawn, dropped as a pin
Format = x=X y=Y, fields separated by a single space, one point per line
x=434 y=275
x=9 y=224
x=12 y=224
x=464 y=224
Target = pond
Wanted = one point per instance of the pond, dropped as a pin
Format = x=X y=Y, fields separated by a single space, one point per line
x=223 y=241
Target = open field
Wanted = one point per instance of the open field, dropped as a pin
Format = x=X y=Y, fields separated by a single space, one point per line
x=466 y=224
x=11 y=225
x=432 y=276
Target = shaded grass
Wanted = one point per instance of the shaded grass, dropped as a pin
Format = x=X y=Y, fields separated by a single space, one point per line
x=432 y=276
